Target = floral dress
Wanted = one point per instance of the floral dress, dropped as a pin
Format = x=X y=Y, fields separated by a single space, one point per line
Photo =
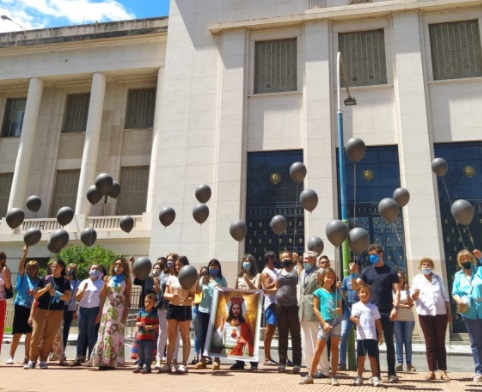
x=109 y=349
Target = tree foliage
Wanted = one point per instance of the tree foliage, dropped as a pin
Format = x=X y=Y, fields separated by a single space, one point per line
x=84 y=257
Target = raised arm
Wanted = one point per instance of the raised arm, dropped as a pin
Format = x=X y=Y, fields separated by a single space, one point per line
x=21 y=264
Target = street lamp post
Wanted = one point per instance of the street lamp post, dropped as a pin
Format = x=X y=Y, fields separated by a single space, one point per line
x=345 y=250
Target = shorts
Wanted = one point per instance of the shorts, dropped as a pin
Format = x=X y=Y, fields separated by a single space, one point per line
x=179 y=313
x=334 y=333
x=367 y=346
x=20 y=320
x=270 y=315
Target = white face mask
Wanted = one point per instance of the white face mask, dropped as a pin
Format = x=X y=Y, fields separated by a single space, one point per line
x=426 y=271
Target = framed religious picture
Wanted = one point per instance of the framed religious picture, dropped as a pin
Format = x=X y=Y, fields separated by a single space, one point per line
x=234 y=324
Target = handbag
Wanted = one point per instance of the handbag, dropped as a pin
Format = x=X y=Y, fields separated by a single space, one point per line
x=8 y=293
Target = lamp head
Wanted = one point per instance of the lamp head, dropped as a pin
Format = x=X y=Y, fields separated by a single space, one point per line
x=350 y=101
x=5 y=17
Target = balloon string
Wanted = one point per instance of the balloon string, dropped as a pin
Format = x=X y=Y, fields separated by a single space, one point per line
x=470 y=236
x=404 y=251
x=450 y=204
x=296 y=216
x=354 y=195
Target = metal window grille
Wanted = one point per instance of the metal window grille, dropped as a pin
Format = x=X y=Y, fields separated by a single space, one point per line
x=76 y=113
x=65 y=190
x=456 y=52
x=13 y=119
x=5 y=186
x=140 y=108
x=364 y=57
x=275 y=66
x=133 y=198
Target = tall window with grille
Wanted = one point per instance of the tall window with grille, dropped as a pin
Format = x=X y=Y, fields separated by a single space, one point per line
x=133 y=198
x=456 y=51
x=275 y=66
x=364 y=58
x=5 y=186
x=13 y=118
x=76 y=112
x=140 y=110
x=65 y=190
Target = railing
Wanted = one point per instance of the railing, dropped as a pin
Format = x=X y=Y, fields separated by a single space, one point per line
x=110 y=222
x=44 y=224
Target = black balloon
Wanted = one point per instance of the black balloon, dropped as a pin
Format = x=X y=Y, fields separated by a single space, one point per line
x=238 y=230
x=167 y=216
x=203 y=193
x=358 y=239
x=336 y=232
x=355 y=149
x=126 y=223
x=32 y=236
x=142 y=268
x=187 y=276
x=34 y=203
x=115 y=190
x=389 y=209
x=15 y=217
x=315 y=244
x=88 y=236
x=462 y=211
x=278 y=224
x=309 y=199
x=65 y=215
x=58 y=239
x=298 y=172
x=93 y=195
x=51 y=248
x=200 y=213
x=401 y=196
x=440 y=167
x=104 y=183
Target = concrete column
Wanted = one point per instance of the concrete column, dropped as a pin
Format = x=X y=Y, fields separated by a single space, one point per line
x=156 y=142
x=27 y=138
x=91 y=144
x=421 y=215
x=319 y=136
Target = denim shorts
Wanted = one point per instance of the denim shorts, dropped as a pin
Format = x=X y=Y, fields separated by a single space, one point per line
x=335 y=331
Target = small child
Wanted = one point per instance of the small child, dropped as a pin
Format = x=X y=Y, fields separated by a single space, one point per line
x=327 y=308
x=367 y=318
x=147 y=323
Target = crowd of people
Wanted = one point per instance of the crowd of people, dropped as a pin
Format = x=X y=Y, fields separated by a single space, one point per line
x=304 y=301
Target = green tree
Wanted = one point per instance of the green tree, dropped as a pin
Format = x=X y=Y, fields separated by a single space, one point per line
x=84 y=257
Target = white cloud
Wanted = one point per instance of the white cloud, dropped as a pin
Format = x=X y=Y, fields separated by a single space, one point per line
x=35 y=14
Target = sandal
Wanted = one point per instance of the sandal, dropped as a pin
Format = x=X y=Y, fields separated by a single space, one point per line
x=444 y=376
x=430 y=376
x=195 y=360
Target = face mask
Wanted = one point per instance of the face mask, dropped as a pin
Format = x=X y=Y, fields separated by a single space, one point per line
x=246 y=265
x=214 y=272
x=307 y=266
x=374 y=259
x=170 y=264
x=71 y=272
x=117 y=269
x=287 y=263
x=94 y=273
x=156 y=273
x=467 y=265
x=426 y=271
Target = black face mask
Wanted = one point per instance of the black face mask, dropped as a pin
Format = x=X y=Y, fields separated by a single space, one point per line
x=467 y=265
x=287 y=263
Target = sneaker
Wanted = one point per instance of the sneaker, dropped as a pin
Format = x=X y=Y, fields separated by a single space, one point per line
x=281 y=368
x=165 y=369
x=136 y=370
x=145 y=371
x=376 y=381
x=30 y=365
x=296 y=369
x=306 y=380
x=237 y=366
x=411 y=368
x=334 y=382
x=341 y=367
x=318 y=375
x=289 y=363
x=358 y=381
x=270 y=362
x=157 y=366
x=477 y=378
x=181 y=369
x=392 y=378
x=76 y=362
x=43 y=365
x=399 y=367
x=25 y=360
x=195 y=360
x=9 y=361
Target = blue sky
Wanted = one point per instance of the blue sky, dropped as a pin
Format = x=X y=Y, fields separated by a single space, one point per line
x=38 y=14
